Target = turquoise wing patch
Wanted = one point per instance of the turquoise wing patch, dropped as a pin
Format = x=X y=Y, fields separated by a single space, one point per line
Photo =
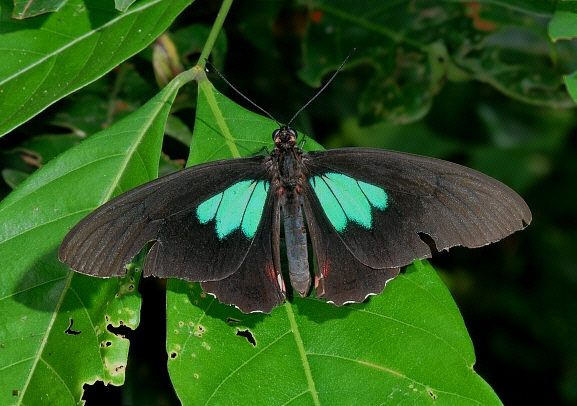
x=346 y=199
x=238 y=207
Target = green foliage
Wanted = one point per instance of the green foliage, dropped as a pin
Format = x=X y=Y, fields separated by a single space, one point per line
x=41 y=297
x=49 y=57
x=480 y=83
x=415 y=349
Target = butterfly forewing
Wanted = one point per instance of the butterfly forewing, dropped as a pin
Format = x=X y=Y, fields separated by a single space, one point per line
x=202 y=220
x=378 y=202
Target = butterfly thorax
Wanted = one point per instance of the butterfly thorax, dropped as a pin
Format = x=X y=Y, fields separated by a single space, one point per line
x=287 y=158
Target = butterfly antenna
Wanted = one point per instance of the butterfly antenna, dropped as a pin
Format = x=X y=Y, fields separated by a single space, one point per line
x=239 y=92
x=322 y=88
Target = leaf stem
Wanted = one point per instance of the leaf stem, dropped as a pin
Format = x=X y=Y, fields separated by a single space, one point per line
x=217 y=26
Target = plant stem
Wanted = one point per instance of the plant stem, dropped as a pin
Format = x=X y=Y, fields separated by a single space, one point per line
x=214 y=31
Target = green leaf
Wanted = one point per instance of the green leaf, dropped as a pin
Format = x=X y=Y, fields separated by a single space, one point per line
x=13 y=177
x=562 y=25
x=178 y=130
x=54 y=323
x=122 y=5
x=31 y=8
x=191 y=39
x=408 y=346
x=571 y=83
x=49 y=57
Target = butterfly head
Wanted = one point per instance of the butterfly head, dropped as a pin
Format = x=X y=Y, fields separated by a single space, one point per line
x=284 y=138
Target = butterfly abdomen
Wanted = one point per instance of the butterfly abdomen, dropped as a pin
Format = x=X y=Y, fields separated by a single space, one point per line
x=296 y=245
x=289 y=178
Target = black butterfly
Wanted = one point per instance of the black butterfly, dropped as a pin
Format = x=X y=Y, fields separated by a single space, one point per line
x=219 y=222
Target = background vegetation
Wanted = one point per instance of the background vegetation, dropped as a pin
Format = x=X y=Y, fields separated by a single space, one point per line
x=481 y=84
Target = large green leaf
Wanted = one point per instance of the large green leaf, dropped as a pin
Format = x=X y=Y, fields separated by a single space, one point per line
x=406 y=346
x=47 y=57
x=54 y=334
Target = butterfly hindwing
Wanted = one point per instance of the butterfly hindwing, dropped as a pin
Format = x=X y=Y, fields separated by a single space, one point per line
x=340 y=277
x=257 y=285
x=378 y=202
x=202 y=220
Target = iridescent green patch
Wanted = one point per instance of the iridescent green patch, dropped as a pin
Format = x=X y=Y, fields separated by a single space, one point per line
x=238 y=207
x=346 y=199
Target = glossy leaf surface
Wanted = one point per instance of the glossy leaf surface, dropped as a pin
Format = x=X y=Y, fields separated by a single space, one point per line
x=48 y=57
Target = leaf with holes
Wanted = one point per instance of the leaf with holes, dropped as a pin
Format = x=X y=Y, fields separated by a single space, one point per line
x=54 y=324
x=408 y=345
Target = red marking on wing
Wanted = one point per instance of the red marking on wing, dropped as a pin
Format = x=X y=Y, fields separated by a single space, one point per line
x=270 y=272
x=325 y=268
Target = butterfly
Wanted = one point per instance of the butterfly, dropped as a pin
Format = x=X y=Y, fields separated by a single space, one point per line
x=368 y=211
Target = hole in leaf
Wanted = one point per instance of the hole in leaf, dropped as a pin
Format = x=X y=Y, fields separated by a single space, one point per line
x=105 y=394
x=427 y=239
x=431 y=394
x=173 y=354
x=69 y=329
x=120 y=331
x=248 y=335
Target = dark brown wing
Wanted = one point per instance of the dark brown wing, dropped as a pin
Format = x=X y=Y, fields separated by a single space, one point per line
x=164 y=210
x=452 y=204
